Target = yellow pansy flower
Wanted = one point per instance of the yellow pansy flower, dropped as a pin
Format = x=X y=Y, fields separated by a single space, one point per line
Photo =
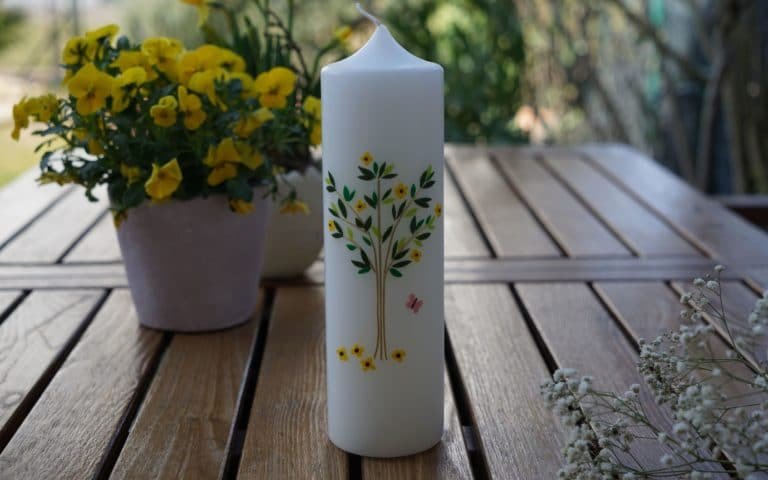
x=331 y=226
x=163 y=53
x=222 y=159
x=107 y=31
x=205 y=83
x=127 y=59
x=191 y=107
x=203 y=10
x=342 y=34
x=132 y=174
x=126 y=86
x=438 y=210
x=274 y=86
x=358 y=350
x=91 y=87
x=42 y=107
x=401 y=190
x=294 y=206
x=341 y=353
x=398 y=355
x=164 y=112
x=221 y=173
x=316 y=135
x=78 y=50
x=241 y=206
x=251 y=122
x=198 y=60
x=360 y=206
x=416 y=255
x=368 y=364
x=20 y=119
x=366 y=158
x=94 y=147
x=164 y=180
x=313 y=107
x=248 y=156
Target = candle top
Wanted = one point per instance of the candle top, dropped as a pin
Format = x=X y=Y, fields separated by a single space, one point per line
x=380 y=53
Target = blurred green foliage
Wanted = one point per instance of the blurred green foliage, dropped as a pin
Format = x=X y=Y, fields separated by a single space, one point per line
x=480 y=45
x=9 y=19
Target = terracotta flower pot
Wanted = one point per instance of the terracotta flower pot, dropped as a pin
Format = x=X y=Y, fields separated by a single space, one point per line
x=194 y=265
x=294 y=241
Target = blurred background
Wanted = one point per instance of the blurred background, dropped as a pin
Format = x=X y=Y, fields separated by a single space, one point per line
x=682 y=80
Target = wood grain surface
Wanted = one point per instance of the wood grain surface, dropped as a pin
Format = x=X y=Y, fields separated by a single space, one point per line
x=69 y=429
x=501 y=369
x=576 y=229
x=507 y=222
x=98 y=245
x=644 y=232
x=462 y=238
x=32 y=339
x=286 y=432
x=186 y=417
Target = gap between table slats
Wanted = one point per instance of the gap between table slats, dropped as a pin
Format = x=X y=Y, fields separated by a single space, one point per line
x=70 y=426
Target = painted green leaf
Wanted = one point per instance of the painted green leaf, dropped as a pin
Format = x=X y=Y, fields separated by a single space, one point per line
x=411 y=213
x=331 y=179
x=414 y=225
x=359 y=264
x=376 y=232
x=365 y=174
x=401 y=254
x=327 y=181
x=389 y=168
x=388 y=201
x=390 y=175
x=351 y=247
x=387 y=233
x=368 y=223
x=342 y=208
x=428 y=184
x=387 y=193
x=364 y=257
x=367 y=241
x=337 y=235
x=401 y=264
x=401 y=209
x=330 y=188
x=348 y=194
x=423 y=236
x=375 y=168
x=370 y=201
x=423 y=202
x=418 y=243
x=350 y=234
x=413 y=190
x=338 y=228
x=394 y=212
x=364 y=270
x=395 y=272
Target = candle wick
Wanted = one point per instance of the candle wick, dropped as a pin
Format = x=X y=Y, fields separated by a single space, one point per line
x=367 y=15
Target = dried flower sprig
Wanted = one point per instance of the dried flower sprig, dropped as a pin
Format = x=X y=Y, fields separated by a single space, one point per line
x=717 y=395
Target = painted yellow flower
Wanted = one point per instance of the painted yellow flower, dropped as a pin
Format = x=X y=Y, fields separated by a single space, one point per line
x=164 y=180
x=105 y=32
x=252 y=122
x=341 y=353
x=191 y=107
x=342 y=34
x=358 y=350
x=203 y=10
x=20 y=119
x=398 y=355
x=331 y=226
x=416 y=255
x=368 y=364
x=438 y=210
x=126 y=86
x=164 y=112
x=163 y=53
x=401 y=190
x=127 y=59
x=294 y=207
x=91 y=87
x=366 y=159
x=241 y=206
x=42 y=107
x=274 y=86
x=360 y=206
x=78 y=50
x=132 y=174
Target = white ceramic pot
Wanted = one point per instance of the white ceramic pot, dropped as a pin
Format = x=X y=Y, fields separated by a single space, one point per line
x=194 y=265
x=294 y=241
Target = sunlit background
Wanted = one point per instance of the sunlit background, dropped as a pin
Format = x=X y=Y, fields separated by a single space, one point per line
x=683 y=80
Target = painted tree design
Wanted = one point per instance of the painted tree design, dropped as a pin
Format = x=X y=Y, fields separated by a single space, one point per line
x=370 y=223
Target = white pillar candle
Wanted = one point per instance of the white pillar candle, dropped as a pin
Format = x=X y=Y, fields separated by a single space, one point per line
x=383 y=169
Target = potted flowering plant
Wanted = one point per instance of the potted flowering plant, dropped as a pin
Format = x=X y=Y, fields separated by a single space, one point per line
x=266 y=42
x=187 y=145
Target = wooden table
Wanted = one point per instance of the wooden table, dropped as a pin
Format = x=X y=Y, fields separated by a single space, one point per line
x=557 y=257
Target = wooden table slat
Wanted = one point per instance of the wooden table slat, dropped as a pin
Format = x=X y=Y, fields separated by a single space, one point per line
x=32 y=338
x=576 y=229
x=49 y=237
x=286 y=431
x=705 y=222
x=509 y=226
x=98 y=245
x=23 y=199
x=636 y=225
x=186 y=418
x=67 y=432
x=501 y=369
x=462 y=239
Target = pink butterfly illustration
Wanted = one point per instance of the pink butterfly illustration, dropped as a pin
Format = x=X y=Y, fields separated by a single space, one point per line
x=413 y=303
